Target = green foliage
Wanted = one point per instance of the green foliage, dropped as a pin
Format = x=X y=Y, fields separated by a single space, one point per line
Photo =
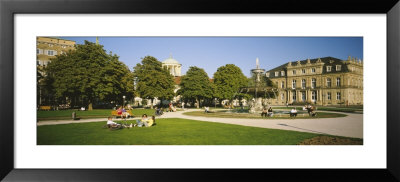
x=228 y=80
x=153 y=80
x=89 y=73
x=195 y=85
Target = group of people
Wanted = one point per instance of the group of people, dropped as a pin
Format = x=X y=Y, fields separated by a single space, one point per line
x=122 y=112
x=144 y=122
x=310 y=109
x=171 y=108
x=267 y=112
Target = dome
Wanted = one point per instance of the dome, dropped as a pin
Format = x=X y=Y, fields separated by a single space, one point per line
x=170 y=60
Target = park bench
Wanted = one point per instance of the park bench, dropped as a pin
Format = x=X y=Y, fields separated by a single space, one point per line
x=47 y=108
x=115 y=114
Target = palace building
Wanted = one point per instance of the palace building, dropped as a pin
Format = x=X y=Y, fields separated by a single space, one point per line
x=322 y=81
x=48 y=47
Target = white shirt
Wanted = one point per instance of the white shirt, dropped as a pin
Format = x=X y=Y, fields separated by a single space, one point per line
x=111 y=122
x=293 y=111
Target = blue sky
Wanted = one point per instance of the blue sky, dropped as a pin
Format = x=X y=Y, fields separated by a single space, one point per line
x=210 y=53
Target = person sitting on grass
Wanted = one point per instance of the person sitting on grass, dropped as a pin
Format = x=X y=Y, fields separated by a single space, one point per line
x=206 y=109
x=270 y=113
x=112 y=124
x=151 y=121
x=293 y=112
x=264 y=112
x=143 y=121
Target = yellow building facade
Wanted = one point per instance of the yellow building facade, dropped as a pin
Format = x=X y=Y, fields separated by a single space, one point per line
x=48 y=47
x=323 y=81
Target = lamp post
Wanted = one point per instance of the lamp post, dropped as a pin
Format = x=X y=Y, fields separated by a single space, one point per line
x=123 y=102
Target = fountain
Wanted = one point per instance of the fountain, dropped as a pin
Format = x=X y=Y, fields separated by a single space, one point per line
x=257 y=73
x=259 y=89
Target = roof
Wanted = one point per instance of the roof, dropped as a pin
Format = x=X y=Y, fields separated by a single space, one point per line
x=328 y=61
x=170 y=60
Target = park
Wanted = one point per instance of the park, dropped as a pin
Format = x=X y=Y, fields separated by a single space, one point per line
x=195 y=127
x=80 y=90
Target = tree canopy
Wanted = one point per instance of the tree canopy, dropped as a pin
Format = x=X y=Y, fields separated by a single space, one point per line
x=196 y=85
x=88 y=73
x=228 y=80
x=152 y=80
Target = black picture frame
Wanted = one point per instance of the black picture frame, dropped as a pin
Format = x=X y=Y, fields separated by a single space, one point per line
x=9 y=8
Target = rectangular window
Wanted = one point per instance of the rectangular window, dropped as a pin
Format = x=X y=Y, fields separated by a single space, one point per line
x=267 y=74
x=338 y=67
x=50 y=53
x=303 y=96
x=293 y=84
x=282 y=96
x=276 y=73
x=282 y=73
x=338 y=81
x=303 y=84
x=338 y=97
x=313 y=83
x=312 y=70
x=294 y=72
x=37 y=51
x=328 y=68
x=329 y=96
x=283 y=84
x=313 y=95
x=328 y=82
x=38 y=62
x=303 y=71
x=294 y=95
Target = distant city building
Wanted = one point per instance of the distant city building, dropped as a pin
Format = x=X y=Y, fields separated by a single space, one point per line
x=48 y=47
x=322 y=81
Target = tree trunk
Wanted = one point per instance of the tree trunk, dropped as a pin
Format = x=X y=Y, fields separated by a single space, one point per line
x=90 y=107
x=197 y=102
x=151 y=104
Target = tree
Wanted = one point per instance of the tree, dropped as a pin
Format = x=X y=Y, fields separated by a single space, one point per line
x=153 y=80
x=228 y=80
x=89 y=74
x=196 y=85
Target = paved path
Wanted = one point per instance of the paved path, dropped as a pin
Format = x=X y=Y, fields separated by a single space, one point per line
x=349 y=126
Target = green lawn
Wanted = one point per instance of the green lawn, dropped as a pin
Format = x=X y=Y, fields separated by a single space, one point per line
x=171 y=131
x=224 y=114
x=96 y=113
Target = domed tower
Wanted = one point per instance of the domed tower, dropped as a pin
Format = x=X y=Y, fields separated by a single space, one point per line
x=173 y=66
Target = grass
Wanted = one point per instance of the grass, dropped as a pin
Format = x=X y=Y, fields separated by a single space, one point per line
x=224 y=114
x=172 y=131
x=96 y=113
